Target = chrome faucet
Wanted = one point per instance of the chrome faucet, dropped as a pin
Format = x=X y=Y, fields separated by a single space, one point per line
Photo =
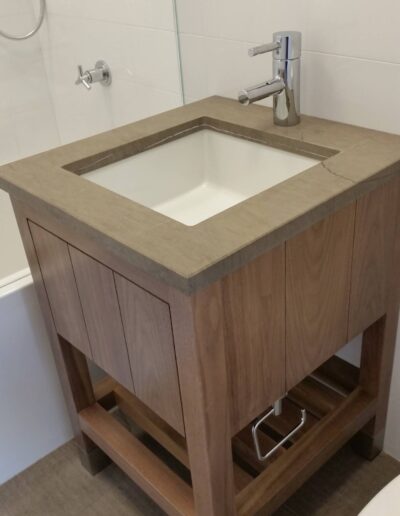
x=285 y=85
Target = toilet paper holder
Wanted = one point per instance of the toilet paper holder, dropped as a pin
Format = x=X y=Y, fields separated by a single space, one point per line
x=275 y=411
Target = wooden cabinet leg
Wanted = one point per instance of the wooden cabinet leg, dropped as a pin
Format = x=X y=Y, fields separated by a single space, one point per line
x=80 y=384
x=375 y=377
x=200 y=351
x=377 y=357
x=70 y=363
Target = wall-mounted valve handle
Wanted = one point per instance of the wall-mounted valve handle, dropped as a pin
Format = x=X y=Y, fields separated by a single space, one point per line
x=100 y=73
x=84 y=78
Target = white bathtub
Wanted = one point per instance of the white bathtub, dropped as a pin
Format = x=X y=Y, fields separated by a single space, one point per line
x=33 y=419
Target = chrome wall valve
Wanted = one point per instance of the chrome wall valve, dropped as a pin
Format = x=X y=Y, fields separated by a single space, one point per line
x=100 y=73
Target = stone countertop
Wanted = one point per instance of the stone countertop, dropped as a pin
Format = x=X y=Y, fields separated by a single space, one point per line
x=354 y=161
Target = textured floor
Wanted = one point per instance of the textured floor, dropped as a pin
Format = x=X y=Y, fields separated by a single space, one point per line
x=59 y=486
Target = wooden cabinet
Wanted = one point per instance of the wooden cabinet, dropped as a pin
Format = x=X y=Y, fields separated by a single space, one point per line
x=147 y=323
x=100 y=306
x=280 y=316
x=318 y=269
x=58 y=277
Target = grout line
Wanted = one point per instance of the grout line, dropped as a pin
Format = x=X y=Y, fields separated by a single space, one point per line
x=179 y=51
x=106 y=21
x=304 y=50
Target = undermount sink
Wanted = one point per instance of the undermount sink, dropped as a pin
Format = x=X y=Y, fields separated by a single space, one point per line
x=199 y=175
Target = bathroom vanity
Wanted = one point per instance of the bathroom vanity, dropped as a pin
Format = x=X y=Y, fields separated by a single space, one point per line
x=212 y=263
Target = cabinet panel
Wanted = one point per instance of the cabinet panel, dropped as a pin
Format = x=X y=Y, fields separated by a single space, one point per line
x=102 y=315
x=254 y=326
x=148 y=331
x=59 y=280
x=318 y=268
x=373 y=254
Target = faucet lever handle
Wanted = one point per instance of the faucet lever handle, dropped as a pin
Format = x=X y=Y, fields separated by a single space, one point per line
x=262 y=49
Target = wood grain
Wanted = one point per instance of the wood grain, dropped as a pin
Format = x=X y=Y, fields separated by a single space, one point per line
x=104 y=392
x=164 y=434
x=318 y=268
x=271 y=488
x=200 y=350
x=147 y=324
x=373 y=254
x=155 y=478
x=102 y=315
x=59 y=279
x=92 y=457
x=254 y=325
x=151 y=423
x=338 y=373
x=379 y=341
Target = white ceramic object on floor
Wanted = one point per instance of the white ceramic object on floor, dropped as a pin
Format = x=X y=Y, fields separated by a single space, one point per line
x=386 y=502
x=199 y=175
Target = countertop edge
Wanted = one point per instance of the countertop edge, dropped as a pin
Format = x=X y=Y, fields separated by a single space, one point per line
x=216 y=271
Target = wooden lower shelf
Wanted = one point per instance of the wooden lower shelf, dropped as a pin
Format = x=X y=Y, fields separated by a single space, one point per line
x=143 y=467
x=335 y=413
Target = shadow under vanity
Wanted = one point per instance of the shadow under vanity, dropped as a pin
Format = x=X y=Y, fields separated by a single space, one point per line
x=202 y=328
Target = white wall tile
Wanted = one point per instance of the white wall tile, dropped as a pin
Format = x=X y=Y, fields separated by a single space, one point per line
x=143 y=60
x=155 y=13
x=214 y=66
x=354 y=91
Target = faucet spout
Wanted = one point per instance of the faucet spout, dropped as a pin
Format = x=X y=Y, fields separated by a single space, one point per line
x=261 y=91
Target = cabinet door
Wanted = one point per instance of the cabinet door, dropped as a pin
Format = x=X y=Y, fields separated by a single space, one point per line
x=376 y=217
x=318 y=268
x=102 y=315
x=147 y=324
x=59 y=280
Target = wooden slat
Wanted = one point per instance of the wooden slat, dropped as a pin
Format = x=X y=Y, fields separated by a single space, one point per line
x=169 y=491
x=373 y=254
x=339 y=373
x=100 y=306
x=148 y=421
x=147 y=326
x=164 y=434
x=315 y=397
x=318 y=271
x=283 y=477
x=58 y=276
x=254 y=325
x=104 y=392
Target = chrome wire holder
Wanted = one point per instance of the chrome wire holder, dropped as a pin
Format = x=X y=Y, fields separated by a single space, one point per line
x=275 y=411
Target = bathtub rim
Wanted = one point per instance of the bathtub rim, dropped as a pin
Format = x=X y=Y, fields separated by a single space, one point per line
x=15 y=281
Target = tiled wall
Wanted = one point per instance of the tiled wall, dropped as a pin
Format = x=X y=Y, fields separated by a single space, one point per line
x=137 y=38
x=27 y=122
x=350 y=71
x=351 y=57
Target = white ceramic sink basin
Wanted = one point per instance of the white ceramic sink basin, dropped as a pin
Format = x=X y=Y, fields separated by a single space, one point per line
x=199 y=175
